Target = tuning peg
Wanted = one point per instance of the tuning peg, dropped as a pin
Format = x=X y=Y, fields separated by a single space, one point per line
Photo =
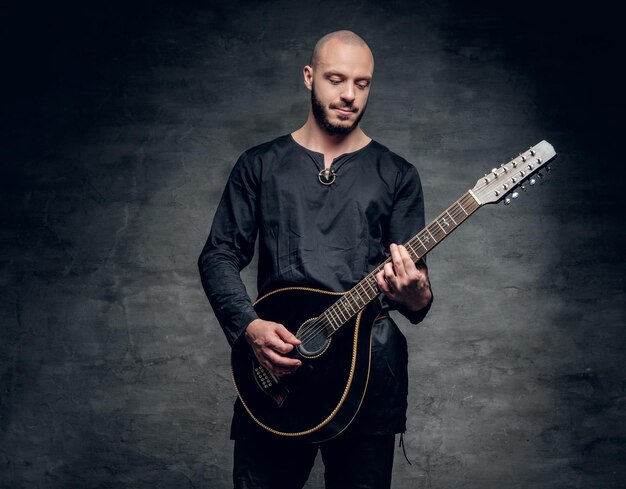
x=507 y=201
x=532 y=181
x=514 y=195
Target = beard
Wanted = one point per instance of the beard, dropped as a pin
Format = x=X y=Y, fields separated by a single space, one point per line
x=321 y=116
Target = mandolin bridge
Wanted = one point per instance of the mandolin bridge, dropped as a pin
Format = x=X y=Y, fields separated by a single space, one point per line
x=270 y=385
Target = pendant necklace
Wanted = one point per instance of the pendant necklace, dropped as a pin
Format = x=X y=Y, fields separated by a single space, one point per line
x=327 y=176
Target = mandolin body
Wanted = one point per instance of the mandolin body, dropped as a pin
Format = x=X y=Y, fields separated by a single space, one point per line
x=323 y=396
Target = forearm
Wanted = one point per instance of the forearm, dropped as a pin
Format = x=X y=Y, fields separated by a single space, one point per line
x=227 y=294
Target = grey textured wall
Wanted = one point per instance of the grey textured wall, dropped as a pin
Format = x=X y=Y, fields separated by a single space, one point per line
x=120 y=125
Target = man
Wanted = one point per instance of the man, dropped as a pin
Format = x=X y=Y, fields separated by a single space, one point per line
x=328 y=204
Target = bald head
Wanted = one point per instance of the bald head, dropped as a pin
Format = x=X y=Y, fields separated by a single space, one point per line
x=344 y=37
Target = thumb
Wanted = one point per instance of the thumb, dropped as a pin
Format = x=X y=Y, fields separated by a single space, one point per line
x=286 y=335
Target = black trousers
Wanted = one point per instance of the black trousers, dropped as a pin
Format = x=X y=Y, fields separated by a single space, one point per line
x=350 y=462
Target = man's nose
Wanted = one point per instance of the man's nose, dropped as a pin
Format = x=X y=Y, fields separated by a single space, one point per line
x=348 y=93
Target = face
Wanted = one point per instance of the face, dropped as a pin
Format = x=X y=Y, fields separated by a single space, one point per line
x=339 y=84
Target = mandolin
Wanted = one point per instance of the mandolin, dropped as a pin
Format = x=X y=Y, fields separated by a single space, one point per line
x=322 y=397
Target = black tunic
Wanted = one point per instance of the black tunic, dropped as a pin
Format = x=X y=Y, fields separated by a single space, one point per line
x=326 y=237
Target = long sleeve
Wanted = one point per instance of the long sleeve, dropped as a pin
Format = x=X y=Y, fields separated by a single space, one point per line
x=406 y=220
x=230 y=248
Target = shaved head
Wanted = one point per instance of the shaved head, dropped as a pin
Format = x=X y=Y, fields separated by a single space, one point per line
x=339 y=76
x=345 y=37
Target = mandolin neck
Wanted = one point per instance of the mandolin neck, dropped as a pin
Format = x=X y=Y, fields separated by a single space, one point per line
x=418 y=246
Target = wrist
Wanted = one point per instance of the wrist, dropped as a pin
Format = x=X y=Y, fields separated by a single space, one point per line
x=421 y=303
x=248 y=333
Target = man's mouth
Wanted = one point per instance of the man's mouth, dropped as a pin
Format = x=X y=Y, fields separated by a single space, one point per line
x=344 y=110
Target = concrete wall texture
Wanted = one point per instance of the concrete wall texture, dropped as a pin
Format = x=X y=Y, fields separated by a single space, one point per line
x=120 y=125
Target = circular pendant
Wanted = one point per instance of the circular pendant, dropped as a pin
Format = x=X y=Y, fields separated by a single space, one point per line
x=326 y=177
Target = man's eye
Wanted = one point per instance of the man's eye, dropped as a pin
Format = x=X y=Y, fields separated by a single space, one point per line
x=334 y=81
x=363 y=86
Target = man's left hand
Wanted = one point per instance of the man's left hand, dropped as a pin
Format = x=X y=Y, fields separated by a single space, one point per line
x=404 y=281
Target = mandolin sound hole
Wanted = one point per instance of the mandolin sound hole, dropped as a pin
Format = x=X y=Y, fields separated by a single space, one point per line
x=314 y=337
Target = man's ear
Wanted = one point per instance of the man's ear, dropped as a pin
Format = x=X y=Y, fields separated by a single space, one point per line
x=308 y=77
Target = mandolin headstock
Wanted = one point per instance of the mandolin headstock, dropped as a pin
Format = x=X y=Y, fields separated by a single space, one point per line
x=502 y=181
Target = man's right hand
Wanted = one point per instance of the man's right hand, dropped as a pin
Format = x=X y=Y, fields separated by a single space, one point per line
x=270 y=343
